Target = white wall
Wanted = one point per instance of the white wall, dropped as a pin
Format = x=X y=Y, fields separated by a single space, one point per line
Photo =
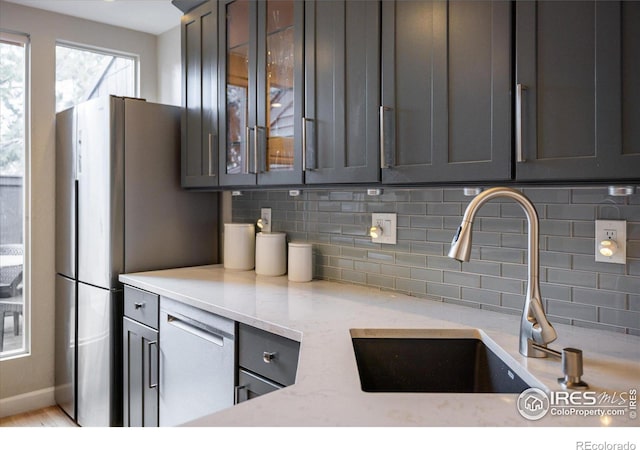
x=35 y=373
x=169 y=67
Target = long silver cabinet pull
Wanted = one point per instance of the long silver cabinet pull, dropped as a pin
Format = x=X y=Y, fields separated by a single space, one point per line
x=386 y=157
x=259 y=151
x=519 y=150
x=247 y=145
x=306 y=148
x=149 y=344
x=211 y=137
x=192 y=328
x=255 y=149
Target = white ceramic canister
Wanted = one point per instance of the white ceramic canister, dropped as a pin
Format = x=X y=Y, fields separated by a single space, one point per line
x=239 y=246
x=300 y=262
x=271 y=254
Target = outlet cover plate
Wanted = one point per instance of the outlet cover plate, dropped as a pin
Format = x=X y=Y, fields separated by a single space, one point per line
x=389 y=224
x=617 y=231
x=265 y=215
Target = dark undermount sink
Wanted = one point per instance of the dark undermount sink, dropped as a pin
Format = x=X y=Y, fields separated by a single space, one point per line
x=454 y=361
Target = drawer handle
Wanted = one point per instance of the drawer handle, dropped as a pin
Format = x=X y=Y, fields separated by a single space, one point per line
x=241 y=394
x=139 y=305
x=267 y=357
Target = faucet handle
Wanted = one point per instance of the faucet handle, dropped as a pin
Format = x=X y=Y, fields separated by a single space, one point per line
x=572 y=369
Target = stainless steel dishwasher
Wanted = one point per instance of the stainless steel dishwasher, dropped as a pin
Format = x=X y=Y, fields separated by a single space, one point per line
x=196 y=363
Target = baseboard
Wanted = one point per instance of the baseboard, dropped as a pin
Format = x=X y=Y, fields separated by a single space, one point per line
x=27 y=402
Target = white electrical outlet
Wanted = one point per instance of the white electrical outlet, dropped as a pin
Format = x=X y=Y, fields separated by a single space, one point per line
x=388 y=223
x=611 y=241
x=265 y=215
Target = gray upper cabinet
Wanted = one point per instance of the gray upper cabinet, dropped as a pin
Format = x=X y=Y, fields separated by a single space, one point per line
x=261 y=85
x=342 y=76
x=631 y=86
x=577 y=94
x=199 y=89
x=446 y=105
x=409 y=92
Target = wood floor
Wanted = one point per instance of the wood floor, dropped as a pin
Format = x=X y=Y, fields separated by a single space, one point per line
x=46 y=417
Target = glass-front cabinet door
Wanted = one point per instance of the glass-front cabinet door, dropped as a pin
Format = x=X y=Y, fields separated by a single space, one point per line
x=261 y=85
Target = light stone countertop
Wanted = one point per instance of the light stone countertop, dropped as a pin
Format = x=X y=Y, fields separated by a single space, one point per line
x=327 y=391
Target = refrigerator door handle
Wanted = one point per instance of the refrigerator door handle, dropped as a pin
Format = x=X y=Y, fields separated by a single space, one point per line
x=79 y=156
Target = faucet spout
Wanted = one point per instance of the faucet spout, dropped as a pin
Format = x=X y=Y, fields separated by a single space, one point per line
x=534 y=326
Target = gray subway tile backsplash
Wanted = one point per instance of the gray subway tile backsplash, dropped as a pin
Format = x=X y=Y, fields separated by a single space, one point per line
x=573 y=310
x=599 y=297
x=571 y=277
x=575 y=289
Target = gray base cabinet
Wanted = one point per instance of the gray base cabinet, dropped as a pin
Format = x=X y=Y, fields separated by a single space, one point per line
x=266 y=362
x=140 y=375
x=140 y=359
x=179 y=361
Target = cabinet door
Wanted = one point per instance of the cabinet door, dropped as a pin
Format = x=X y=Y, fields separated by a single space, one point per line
x=342 y=75
x=568 y=63
x=280 y=91
x=261 y=110
x=237 y=27
x=199 y=87
x=446 y=112
x=630 y=90
x=140 y=354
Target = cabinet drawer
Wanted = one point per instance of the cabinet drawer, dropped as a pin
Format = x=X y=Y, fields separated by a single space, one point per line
x=141 y=306
x=274 y=357
x=251 y=386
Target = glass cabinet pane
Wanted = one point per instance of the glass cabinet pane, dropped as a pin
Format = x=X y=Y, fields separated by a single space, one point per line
x=280 y=85
x=237 y=86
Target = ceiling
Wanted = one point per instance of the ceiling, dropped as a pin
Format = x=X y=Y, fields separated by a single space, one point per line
x=149 y=16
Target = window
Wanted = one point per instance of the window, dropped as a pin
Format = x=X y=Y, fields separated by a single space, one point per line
x=14 y=182
x=83 y=74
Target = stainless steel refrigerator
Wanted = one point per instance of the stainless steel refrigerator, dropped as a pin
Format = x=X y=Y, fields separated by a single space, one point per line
x=119 y=209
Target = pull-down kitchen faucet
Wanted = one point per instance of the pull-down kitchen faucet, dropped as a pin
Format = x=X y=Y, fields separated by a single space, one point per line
x=534 y=326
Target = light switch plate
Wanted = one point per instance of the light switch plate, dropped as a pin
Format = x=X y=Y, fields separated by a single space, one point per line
x=265 y=215
x=615 y=230
x=389 y=224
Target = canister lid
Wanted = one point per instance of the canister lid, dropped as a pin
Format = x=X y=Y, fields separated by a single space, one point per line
x=299 y=244
x=239 y=225
x=272 y=235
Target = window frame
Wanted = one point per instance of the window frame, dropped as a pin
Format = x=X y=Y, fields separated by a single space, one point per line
x=104 y=51
x=24 y=40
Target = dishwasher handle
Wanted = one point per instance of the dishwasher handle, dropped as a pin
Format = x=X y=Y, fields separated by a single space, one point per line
x=196 y=329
